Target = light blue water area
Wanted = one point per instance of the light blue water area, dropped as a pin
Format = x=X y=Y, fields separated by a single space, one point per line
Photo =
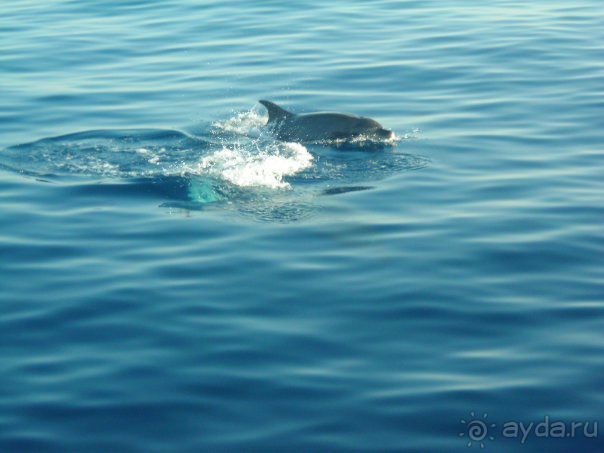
x=172 y=277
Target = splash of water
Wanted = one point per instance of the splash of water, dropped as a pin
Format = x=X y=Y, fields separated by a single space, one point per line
x=267 y=165
x=254 y=159
x=248 y=123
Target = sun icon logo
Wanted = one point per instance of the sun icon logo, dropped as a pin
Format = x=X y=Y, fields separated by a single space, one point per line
x=476 y=429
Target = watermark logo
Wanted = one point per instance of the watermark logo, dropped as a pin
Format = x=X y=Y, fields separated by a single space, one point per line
x=477 y=430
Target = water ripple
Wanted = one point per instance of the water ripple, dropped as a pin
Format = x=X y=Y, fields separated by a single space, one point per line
x=358 y=300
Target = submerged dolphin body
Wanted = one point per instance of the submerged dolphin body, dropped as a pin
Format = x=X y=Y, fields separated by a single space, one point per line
x=317 y=127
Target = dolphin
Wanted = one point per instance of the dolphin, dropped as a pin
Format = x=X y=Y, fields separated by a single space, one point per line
x=318 y=127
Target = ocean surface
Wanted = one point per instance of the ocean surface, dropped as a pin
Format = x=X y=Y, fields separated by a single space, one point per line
x=173 y=278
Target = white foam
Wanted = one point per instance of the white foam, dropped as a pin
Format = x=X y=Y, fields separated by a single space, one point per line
x=265 y=166
x=243 y=123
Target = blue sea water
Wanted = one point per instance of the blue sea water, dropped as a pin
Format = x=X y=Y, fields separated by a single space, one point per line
x=173 y=278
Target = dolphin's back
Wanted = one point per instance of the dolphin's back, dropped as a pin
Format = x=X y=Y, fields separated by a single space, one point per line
x=326 y=126
x=275 y=113
x=320 y=126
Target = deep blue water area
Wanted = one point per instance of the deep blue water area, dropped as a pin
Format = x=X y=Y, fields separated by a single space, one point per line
x=173 y=278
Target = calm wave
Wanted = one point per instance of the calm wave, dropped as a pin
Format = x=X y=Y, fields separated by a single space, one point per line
x=173 y=277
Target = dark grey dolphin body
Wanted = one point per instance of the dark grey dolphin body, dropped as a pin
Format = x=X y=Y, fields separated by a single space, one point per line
x=317 y=127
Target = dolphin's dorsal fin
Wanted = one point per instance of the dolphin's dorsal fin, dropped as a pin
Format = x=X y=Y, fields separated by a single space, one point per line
x=275 y=113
